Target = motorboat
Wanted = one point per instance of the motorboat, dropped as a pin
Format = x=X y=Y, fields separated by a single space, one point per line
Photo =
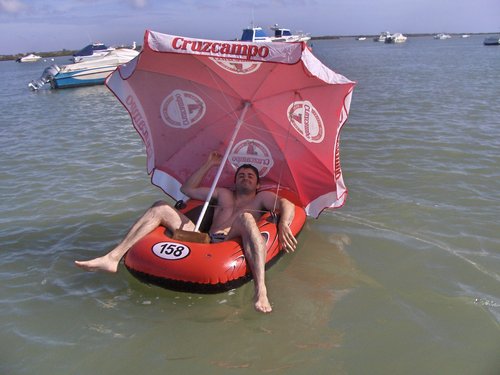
x=492 y=41
x=85 y=73
x=285 y=35
x=28 y=58
x=465 y=35
x=91 y=51
x=257 y=34
x=382 y=37
x=442 y=36
x=361 y=38
x=396 y=38
x=94 y=51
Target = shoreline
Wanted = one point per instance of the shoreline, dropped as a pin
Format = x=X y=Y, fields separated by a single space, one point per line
x=65 y=52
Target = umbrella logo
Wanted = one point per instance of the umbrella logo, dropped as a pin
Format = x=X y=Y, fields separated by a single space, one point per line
x=252 y=151
x=236 y=66
x=182 y=109
x=306 y=121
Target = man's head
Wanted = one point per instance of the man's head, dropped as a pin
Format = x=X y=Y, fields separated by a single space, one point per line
x=246 y=178
x=247 y=166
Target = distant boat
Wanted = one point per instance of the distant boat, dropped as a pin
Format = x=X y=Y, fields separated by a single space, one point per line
x=361 y=38
x=465 y=35
x=382 y=37
x=85 y=73
x=492 y=41
x=257 y=34
x=29 y=58
x=442 y=36
x=396 y=38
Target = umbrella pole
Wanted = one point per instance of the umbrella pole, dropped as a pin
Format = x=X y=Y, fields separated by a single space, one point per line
x=221 y=166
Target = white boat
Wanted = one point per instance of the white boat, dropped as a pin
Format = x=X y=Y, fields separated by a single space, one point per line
x=442 y=36
x=29 y=58
x=465 y=35
x=257 y=34
x=94 y=51
x=361 y=38
x=396 y=38
x=85 y=73
x=285 y=35
x=382 y=37
x=91 y=52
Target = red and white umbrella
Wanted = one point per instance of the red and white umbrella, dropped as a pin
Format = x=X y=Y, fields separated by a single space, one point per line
x=273 y=105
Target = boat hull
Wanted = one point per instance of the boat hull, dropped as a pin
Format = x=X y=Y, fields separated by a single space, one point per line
x=81 y=78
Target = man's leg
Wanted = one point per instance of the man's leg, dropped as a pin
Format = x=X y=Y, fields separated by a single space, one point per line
x=158 y=214
x=254 y=248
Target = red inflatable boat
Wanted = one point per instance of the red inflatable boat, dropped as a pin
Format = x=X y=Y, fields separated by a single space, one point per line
x=200 y=267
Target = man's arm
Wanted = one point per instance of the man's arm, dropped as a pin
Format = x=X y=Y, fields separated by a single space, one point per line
x=191 y=187
x=287 y=212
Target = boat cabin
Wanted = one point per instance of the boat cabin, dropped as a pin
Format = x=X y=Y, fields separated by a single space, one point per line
x=255 y=34
x=280 y=33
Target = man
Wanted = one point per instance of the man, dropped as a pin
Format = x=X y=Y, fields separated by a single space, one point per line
x=236 y=215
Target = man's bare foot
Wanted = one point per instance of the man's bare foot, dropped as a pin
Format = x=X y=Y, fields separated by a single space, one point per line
x=105 y=263
x=262 y=303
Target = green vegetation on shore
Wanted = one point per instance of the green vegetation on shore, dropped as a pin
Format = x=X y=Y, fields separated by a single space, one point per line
x=66 y=52
x=63 y=52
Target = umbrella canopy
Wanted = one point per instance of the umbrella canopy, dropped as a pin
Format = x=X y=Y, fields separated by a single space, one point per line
x=272 y=105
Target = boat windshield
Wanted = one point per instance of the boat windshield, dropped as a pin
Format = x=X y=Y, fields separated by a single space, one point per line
x=259 y=33
x=278 y=33
x=99 y=47
x=253 y=35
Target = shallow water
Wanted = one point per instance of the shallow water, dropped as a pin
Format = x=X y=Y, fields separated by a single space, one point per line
x=403 y=279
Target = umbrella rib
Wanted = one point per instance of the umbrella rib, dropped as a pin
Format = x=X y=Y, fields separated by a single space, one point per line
x=297 y=92
x=211 y=74
x=219 y=105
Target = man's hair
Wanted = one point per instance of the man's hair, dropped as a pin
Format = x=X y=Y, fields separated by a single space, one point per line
x=247 y=166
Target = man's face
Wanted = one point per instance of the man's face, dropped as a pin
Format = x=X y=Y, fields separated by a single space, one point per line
x=246 y=181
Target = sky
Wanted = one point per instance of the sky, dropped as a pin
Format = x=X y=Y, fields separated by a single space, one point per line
x=47 y=25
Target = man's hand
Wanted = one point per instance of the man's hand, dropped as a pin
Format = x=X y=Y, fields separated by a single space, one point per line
x=214 y=158
x=287 y=240
x=191 y=186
